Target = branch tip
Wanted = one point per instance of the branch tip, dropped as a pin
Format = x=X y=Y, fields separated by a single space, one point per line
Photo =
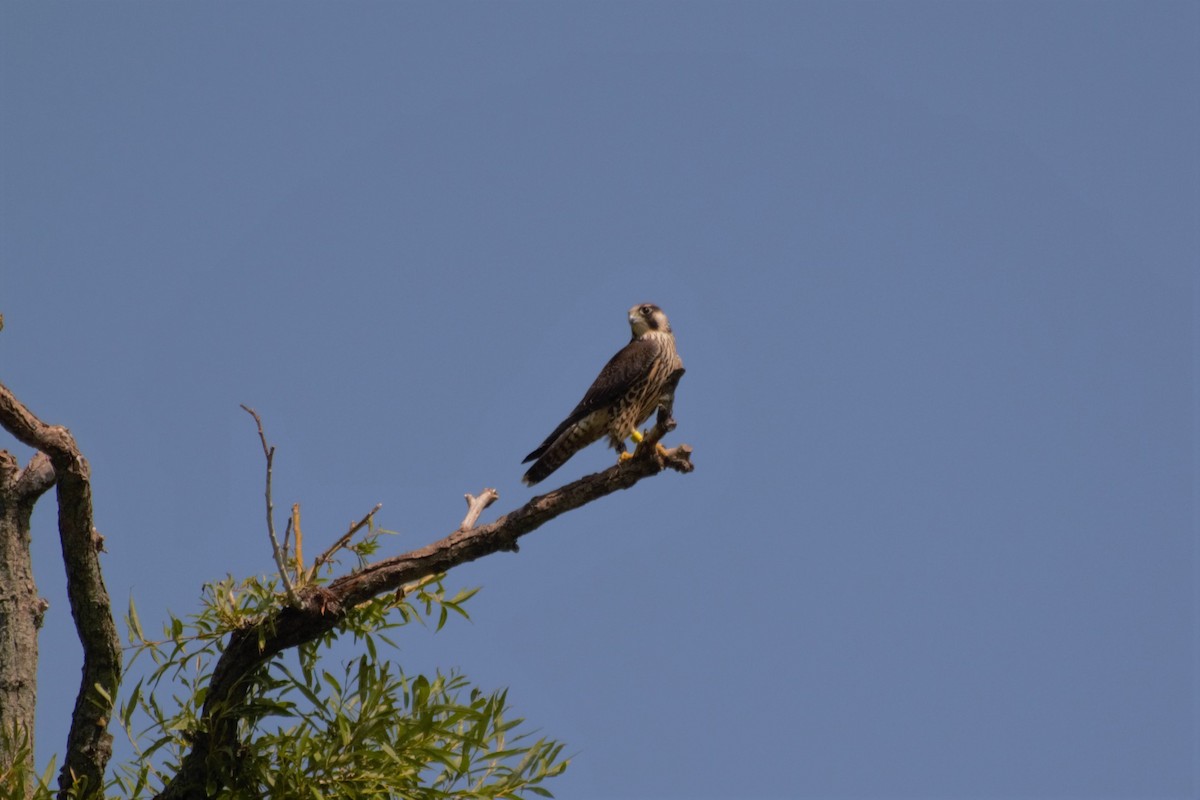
x=276 y=550
x=476 y=505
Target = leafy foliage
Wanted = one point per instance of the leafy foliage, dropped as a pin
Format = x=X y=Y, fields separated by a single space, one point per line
x=362 y=729
x=16 y=780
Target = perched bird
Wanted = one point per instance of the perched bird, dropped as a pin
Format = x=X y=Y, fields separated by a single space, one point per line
x=636 y=381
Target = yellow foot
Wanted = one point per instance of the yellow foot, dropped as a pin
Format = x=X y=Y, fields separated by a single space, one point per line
x=662 y=451
x=636 y=436
x=624 y=457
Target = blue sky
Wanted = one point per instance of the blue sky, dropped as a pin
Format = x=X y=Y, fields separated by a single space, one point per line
x=932 y=270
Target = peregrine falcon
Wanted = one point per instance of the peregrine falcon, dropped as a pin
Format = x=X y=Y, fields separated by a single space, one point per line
x=636 y=381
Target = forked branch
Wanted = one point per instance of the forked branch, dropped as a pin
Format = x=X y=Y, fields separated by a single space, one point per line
x=475 y=507
x=276 y=550
x=89 y=744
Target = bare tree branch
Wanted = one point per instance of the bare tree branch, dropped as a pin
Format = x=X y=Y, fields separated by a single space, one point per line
x=89 y=745
x=294 y=523
x=30 y=483
x=280 y=560
x=322 y=608
x=475 y=507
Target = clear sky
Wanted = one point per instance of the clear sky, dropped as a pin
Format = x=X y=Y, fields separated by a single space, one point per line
x=931 y=266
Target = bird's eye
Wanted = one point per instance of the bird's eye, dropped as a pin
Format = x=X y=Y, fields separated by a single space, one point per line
x=646 y=311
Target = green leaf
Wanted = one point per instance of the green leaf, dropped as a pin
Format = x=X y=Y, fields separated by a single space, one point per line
x=135 y=625
x=465 y=595
x=131 y=704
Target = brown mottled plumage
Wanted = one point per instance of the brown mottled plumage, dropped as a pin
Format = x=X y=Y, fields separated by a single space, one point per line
x=636 y=381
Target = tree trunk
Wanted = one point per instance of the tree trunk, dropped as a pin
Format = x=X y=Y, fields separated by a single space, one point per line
x=21 y=609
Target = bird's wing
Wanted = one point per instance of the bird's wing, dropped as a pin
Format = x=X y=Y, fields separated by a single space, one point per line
x=630 y=363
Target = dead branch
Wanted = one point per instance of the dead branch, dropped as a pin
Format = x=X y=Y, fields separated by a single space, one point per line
x=475 y=507
x=280 y=560
x=37 y=476
x=294 y=522
x=89 y=745
x=323 y=608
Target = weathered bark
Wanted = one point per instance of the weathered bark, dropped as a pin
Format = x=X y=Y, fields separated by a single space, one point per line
x=89 y=744
x=21 y=609
x=211 y=760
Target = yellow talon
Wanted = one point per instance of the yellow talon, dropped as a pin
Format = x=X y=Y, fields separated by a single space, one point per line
x=624 y=457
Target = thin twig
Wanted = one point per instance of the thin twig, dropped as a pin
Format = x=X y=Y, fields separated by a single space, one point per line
x=287 y=535
x=345 y=538
x=269 y=452
x=475 y=507
x=294 y=522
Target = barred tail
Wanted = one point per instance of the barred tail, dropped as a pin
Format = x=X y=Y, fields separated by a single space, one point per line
x=555 y=451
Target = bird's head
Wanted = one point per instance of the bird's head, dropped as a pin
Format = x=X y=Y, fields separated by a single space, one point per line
x=646 y=317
